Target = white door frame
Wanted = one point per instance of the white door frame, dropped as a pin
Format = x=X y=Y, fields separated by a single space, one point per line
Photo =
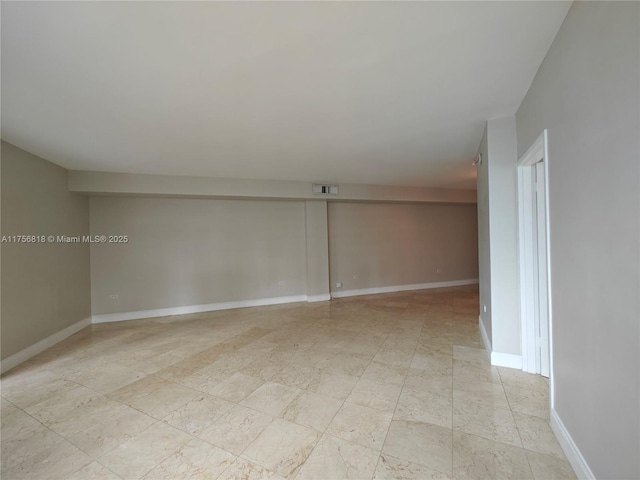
x=536 y=153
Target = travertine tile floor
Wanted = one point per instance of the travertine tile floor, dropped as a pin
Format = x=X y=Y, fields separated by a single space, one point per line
x=385 y=387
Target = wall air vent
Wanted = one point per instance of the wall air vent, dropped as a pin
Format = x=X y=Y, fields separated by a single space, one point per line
x=322 y=189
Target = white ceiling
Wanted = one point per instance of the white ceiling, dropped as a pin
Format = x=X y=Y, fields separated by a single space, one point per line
x=378 y=93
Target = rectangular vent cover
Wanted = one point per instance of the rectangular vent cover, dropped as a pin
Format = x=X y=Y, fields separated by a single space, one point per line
x=322 y=189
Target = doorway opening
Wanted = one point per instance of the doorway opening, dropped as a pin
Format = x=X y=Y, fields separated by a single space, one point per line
x=535 y=282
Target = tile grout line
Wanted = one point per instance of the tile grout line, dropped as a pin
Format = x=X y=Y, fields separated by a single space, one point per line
x=401 y=390
x=324 y=432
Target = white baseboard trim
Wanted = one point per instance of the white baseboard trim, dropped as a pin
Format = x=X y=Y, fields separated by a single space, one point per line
x=208 y=307
x=401 y=288
x=508 y=360
x=319 y=298
x=577 y=461
x=485 y=337
x=30 y=352
x=498 y=359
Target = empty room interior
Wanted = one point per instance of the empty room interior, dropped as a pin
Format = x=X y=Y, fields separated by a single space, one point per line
x=320 y=240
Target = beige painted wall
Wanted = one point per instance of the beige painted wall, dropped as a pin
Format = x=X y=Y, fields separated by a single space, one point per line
x=586 y=94
x=399 y=244
x=45 y=286
x=195 y=251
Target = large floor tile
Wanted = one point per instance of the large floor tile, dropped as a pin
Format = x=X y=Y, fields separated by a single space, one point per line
x=62 y=406
x=492 y=423
x=17 y=423
x=195 y=460
x=296 y=376
x=375 y=394
x=236 y=388
x=139 y=455
x=24 y=445
x=198 y=414
x=282 y=447
x=271 y=398
x=334 y=458
x=537 y=435
x=391 y=468
x=347 y=364
x=424 y=406
x=27 y=389
x=362 y=425
x=475 y=372
x=312 y=410
x=518 y=378
x=138 y=389
x=550 y=467
x=333 y=385
x=107 y=377
x=163 y=400
x=527 y=401
x=398 y=357
x=236 y=429
x=243 y=469
x=94 y=471
x=422 y=381
x=477 y=355
x=478 y=458
x=421 y=443
x=384 y=373
x=57 y=461
x=103 y=434
x=433 y=365
x=484 y=393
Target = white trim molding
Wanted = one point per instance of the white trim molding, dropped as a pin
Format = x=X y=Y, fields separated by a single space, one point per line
x=319 y=298
x=402 y=288
x=498 y=359
x=577 y=461
x=30 y=352
x=208 y=307
x=537 y=152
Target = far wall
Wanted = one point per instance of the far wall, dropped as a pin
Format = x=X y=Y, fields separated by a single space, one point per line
x=184 y=252
x=401 y=244
x=195 y=251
